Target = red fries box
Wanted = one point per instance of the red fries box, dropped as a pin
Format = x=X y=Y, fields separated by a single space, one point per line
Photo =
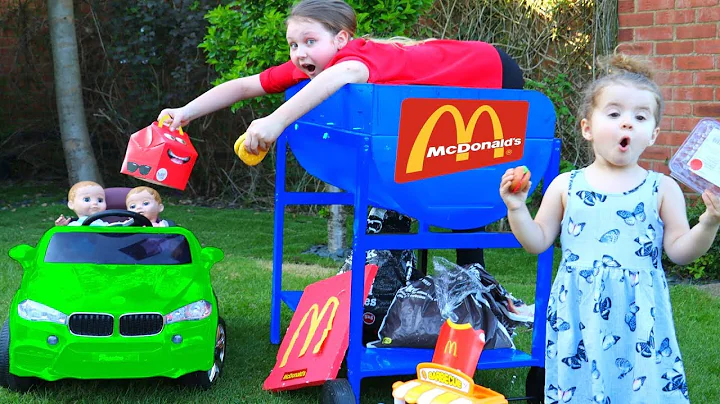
x=160 y=156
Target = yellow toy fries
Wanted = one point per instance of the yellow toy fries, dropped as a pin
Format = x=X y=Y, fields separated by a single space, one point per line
x=247 y=158
x=441 y=384
x=446 y=380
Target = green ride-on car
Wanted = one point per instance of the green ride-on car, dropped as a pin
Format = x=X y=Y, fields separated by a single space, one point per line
x=113 y=303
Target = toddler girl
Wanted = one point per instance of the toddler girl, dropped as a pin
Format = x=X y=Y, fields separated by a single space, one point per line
x=610 y=331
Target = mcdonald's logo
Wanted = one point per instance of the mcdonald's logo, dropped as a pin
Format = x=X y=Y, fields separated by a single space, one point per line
x=316 y=316
x=451 y=347
x=435 y=139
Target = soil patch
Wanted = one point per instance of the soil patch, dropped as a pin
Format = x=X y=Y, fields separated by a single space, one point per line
x=712 y=288
x=302 y=269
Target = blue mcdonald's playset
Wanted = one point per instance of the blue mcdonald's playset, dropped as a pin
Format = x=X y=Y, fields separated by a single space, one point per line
x=435 y=154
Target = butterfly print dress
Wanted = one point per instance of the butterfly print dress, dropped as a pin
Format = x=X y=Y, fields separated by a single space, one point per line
x=610 y=332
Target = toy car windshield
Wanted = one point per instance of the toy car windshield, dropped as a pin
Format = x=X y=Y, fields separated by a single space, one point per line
x=118 y=248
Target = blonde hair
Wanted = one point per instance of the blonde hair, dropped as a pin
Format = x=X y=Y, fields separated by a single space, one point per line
x=337 y=15
x=82 y=184
x=399 y=40
x=334 y=15
x=622 y=69
x=155 y=194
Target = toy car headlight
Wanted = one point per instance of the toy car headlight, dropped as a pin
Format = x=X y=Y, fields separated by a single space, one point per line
x=34 y=311
x=193 y=311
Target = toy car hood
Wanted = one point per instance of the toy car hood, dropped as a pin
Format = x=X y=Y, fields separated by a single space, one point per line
x=89 y=287
x=76 y=287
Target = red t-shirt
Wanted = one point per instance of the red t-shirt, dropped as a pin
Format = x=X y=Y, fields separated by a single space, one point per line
x=438 y=62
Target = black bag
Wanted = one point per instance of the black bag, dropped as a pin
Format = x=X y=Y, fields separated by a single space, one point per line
x=419 y=309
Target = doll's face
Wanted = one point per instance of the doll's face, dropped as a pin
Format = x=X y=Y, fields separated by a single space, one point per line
x=88 y=200
x=145 y=204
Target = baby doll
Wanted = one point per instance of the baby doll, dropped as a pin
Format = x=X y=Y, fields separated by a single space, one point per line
x=84 y=198
x=147 y=202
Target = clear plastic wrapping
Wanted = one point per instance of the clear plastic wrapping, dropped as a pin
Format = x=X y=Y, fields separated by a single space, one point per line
x=697 y=161
x=466 y=295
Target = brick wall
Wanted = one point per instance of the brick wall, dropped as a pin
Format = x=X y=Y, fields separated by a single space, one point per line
x=682 y=38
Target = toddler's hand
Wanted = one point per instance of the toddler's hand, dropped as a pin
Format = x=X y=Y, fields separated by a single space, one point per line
x=515 y=200
x=711 y=216
x=62 y=221
x=179 y=116
x=262 y=133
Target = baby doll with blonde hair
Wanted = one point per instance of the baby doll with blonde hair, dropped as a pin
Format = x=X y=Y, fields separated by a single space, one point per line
x=147 y=202
x=85 y=198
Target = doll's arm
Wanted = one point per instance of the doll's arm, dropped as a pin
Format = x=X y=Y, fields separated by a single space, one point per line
x=62 y=221
x=682 y=244
x=264 y=131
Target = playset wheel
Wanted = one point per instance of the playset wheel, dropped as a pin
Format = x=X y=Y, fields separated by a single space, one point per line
x=535 y=385
x=337 y=391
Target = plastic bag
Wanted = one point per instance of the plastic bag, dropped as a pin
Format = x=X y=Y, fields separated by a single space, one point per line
x=508 y=309
x=419 y=309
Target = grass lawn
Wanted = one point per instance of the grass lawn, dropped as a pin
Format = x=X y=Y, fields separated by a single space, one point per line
x=242 y=283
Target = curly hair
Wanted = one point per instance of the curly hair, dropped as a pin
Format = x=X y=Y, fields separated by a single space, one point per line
x=622 y=69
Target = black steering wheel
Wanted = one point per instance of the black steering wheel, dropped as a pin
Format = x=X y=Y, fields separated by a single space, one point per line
x=138 y=219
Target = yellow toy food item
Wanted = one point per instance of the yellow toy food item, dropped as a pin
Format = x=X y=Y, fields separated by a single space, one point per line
x=247 y=158
x=438 y=384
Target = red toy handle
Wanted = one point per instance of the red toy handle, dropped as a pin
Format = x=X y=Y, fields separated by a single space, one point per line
x=165 y=118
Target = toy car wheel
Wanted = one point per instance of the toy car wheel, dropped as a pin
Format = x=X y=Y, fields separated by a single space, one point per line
x=337 y=391
x=4 y=354
x=535 y=385
x=8 y=379
x=205 y=380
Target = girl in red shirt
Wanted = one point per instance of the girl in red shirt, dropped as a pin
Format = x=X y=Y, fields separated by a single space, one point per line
x=322 y=49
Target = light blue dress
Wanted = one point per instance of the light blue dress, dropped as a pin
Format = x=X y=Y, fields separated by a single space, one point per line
x=610 y=332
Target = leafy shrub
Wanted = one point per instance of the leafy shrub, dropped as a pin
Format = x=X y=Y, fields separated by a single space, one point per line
x=563 y=94
x=705 y=267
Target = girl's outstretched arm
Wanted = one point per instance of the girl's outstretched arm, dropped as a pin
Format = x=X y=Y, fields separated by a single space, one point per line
x=682 y=244
x=216 y=98
x=263 y=132
x=535 y=235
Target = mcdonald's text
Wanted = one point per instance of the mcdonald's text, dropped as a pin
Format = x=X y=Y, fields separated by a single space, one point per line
x=444 y=136
x=466 y=147
x=294 y=375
